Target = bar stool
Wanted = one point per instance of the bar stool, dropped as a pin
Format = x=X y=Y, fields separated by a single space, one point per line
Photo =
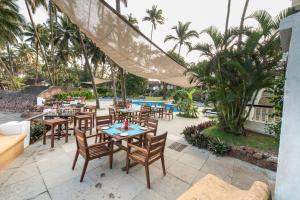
x=87 y=125
x=53 y=123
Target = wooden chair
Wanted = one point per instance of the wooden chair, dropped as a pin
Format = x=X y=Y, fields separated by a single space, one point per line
x=100 y=122
x=142 y=118
x=146 y=156
x=117 y=116
x=91 y=152
x=169 y=113
x=152 y=124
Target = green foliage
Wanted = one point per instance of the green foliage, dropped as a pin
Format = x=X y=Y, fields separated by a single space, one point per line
x=36 y=130
x=184 y=100
x=194 y=136
x=253 y=140
x=80 y=93
x=217 y=147
x=276 y=99
x=233 y=73
x=135 y=86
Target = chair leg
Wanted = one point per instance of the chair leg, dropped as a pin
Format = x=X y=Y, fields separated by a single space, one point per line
x=163 y=165
x=52 y=136
x=84 y=169
x=147 y=176
x=66 y=133
x=75 y=159
x=111 y=160
x=127 y=165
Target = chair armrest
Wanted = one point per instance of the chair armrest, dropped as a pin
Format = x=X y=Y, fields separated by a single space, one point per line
x=144 y=151
x=90 y=136
x=101 y=144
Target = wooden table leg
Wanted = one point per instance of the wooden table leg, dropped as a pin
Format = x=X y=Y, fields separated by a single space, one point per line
x=66 y=133
x=52 y=135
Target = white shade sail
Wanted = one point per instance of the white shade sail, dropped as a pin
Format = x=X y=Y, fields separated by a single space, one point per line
x=124 y=44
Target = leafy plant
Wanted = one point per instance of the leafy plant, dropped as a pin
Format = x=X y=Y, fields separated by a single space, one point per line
x=234 y=72
x=80 y=93
x=36 y=130
x=217 y=147
x=184 y=100
x=194 y=136
x=276 y=99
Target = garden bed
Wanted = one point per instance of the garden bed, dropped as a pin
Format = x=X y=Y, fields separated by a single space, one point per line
x=260 y=150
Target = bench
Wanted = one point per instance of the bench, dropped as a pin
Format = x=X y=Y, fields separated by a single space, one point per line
x=211 y=187
x=11 y=146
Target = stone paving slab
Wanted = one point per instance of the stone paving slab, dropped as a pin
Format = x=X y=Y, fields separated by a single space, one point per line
x=45 y=173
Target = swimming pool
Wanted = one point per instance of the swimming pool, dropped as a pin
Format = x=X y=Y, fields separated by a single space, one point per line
x=157 y=103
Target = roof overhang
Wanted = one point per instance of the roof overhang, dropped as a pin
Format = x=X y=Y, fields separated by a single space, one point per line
x=122 y=42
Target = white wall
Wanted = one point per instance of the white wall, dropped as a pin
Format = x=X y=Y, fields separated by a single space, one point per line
x=288 y=173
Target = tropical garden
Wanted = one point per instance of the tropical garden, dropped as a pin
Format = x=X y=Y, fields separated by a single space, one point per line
x=233 y=66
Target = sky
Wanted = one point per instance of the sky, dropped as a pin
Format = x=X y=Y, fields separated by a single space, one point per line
x=201 y=14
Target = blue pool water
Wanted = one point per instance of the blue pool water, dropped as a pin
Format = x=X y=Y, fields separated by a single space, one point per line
x=157 y=103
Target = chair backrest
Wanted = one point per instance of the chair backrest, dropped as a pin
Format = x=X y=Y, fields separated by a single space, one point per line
x=144 y=114
x=146 y=108
x=103 y=120
x=111 y=111
x=171 y=109
x=156 y=145
x=81 y=142
x=152 y=123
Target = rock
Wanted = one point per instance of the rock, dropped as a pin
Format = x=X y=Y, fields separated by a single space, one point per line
x=272 y=159
x=258 y=156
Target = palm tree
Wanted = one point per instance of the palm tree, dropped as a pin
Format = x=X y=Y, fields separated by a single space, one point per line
x=31 y=6
x=228 y=15
x=242 y=22
x=132 y=20
x=183 y=35
x=155 y=16
x=10 y=24
x=29 y=33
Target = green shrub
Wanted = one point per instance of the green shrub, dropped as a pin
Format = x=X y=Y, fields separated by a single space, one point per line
x=184 y=100
x=194 y=136
x=36 y=130
x=217 y=147
x=79 y=93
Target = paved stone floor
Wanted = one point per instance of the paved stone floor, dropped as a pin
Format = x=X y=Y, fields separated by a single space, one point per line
x=45 y=173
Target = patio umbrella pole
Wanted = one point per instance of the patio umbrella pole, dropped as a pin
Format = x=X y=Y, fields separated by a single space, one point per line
x=87 y=63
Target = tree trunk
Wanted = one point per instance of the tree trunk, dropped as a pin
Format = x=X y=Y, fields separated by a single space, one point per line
x=36 y=63
x=123 y=87
x=87 y=63
x=9 y=74
x=242 y=23
x=179 y=49
x=52 y=38
x=165 y=90
x=38 y=40
x=152 y=31
x=113 y=81
x=122 y=74
x=227 y=17
x=10 y=59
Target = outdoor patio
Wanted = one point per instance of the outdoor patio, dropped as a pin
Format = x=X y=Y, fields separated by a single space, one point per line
x=42 y=172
